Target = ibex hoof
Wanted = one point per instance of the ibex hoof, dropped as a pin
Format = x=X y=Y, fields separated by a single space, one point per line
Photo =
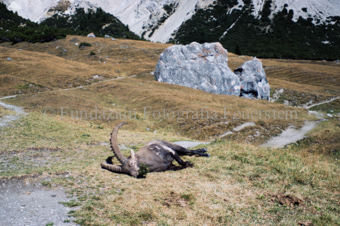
x=188 y=164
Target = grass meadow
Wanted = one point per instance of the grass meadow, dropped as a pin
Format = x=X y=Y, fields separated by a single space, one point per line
x=74 y=99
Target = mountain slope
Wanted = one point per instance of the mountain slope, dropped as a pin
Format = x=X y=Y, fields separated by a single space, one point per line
x=266 y=34
x=304 y=29
x=14 y=28
x=151 y=19
x=141 y=16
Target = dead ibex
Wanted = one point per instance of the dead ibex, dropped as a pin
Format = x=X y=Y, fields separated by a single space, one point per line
x=156 y=156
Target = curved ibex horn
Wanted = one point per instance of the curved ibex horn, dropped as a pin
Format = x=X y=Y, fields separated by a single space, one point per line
x=114 y=144
x=113 y=168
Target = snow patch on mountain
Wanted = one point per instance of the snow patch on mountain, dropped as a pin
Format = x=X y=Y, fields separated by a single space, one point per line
x=145 y=16
x=184 y=11
x=318 y=10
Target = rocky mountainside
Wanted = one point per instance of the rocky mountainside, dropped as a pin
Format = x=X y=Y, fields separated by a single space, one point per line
x=307 y=27
x=158 y=20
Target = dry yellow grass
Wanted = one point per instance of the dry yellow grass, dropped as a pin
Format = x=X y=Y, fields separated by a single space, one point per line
x=236 y=186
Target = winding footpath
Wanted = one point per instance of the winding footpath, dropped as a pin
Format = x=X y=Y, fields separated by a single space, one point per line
x=292 y=135
x=5 y=120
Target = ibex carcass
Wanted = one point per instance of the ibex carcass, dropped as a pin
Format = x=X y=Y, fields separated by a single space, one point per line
x=157 y=156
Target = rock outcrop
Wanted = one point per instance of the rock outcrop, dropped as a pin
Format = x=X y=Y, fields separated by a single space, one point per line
x=198 y=66
x=205 y=67
x=254 y=83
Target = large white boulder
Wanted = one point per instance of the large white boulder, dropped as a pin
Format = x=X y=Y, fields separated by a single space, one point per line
x=205 y=67
x=199 y=66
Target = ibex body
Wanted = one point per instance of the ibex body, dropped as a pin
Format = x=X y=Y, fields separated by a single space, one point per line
x=157 y=155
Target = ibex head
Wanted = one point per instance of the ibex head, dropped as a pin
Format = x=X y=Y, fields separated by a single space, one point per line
x=129 y=165
x=132 y=165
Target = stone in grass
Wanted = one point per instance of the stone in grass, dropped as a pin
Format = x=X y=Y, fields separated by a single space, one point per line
x=254 y=83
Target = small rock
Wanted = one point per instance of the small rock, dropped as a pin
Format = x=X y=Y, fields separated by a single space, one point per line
x=91 y=35
x=9 y=59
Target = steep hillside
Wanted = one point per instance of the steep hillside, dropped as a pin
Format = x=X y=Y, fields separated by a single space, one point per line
x=15 y=29
x=246 y=30
x=305 y=29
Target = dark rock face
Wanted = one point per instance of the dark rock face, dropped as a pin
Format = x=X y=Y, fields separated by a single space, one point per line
x=205 y=67
x=254 y=83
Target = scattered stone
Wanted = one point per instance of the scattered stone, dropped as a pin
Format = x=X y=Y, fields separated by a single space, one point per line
x=277 y=94
x=91 y=35
x=97 y=77
x=9 y=59
x=107 y=36
x=113 y=39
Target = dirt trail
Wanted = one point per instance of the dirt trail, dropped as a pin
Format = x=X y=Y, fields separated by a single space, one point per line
x=27 y=203
x=323 y=102
x=5 y=120
x=24 y=203
x=292 y=135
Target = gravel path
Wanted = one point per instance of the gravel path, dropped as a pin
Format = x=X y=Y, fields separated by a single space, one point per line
x=189 y=144
x=4 y=121
x=26 y=204
x=323 y=102
x=290 y=135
